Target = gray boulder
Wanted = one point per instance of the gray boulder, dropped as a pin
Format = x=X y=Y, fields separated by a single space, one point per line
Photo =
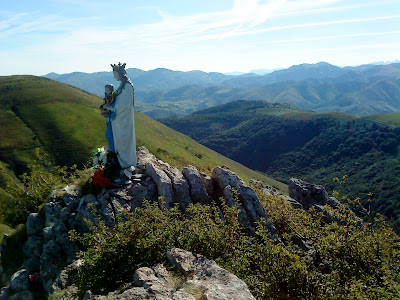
x=249 y=202
x=163 y=183
x=140 y=191
x=208 y=183
x=34 y=224
x=71 y=196
x=198 y=191
x=198 y=278
x=51 y=263
x=19 y=281
x=179 y=185
x=53 y=213
x=144 y=157
x=292 y=202
x=216 y=282
x=33 y=246
x=309 y=195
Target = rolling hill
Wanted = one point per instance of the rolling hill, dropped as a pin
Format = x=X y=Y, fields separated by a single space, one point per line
x=287 y=142
x=64 y=122
x=322 y=87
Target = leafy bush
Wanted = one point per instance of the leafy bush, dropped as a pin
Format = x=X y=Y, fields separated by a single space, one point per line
x=12 y=256
x=32 y=189
x=343 y=258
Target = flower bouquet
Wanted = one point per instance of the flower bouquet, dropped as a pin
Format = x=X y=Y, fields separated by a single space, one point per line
x=100 y=180
x=100 y=156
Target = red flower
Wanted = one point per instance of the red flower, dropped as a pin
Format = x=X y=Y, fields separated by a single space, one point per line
x=99 y=179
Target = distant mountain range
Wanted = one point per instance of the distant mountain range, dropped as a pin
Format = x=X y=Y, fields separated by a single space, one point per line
x=321 y=87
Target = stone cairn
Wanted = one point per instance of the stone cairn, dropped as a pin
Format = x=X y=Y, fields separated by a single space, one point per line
x=49 y=253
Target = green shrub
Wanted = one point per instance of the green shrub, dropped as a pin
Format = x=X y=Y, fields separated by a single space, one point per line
x=345 y=260
x=32 y=189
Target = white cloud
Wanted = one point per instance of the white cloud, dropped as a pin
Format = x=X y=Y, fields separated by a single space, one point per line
x=181 y=40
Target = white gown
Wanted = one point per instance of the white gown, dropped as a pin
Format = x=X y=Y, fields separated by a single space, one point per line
x=123 y=126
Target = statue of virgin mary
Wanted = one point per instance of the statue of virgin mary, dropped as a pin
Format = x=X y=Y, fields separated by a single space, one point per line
x=120 y=132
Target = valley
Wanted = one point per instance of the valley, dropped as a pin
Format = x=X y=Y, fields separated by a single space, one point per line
x=284 y=142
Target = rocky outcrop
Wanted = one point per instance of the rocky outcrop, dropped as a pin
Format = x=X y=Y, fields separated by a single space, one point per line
x=197 y=278
x=179 y=185
x=198 y=191
x=49 y=250
x=270 y=191
x=163 y=183
x=309 y=195
x=229 y=186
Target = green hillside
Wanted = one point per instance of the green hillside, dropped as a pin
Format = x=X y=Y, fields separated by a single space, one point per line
x=313 y=146
x=392 y=119
x=64 y=122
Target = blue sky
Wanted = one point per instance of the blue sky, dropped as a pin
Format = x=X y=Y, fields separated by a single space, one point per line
x=38 y=37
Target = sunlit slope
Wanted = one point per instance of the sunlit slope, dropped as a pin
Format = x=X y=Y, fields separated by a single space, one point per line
x=65 y=123
x=392 y=119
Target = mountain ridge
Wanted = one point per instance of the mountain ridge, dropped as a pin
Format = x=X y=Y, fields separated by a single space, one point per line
x=322 y=86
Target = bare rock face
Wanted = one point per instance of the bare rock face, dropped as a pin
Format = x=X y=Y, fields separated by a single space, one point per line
x=144 y=157
x=34 y=224
x=179 y=185
x=163 y=182
x=19 y=281
x=309 y=195
x=199 y=278
x=198 y=191
x=217 y=283
x=251 y=208
x=208 y=183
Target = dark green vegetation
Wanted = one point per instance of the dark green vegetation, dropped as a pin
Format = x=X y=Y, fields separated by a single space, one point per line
x=5 y=229
x=347 y=261
x=321 y=87
x=64 y=123
x=286 y=142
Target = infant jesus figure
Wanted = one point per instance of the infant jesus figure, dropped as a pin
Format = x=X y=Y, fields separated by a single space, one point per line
x=108 y=100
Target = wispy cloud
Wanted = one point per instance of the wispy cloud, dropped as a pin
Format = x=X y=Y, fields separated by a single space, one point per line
x=331 y=37
x=29 y=22
x=315 y=24
x=93 y=38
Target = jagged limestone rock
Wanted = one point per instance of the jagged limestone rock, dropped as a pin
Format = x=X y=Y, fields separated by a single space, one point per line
x=225 y=182
x=208 y=183
x=19 y=281
x=179 y=185
x=197 y=278
x=71 y=196
x=309 y=195
x=198 y=191
x=216 y=282
x=34 y=224
x=144 y=157
x=163 y=183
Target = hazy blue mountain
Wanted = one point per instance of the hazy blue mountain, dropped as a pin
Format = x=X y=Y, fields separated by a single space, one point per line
x=294 y=73
x=321 y=87
x=158 y=79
